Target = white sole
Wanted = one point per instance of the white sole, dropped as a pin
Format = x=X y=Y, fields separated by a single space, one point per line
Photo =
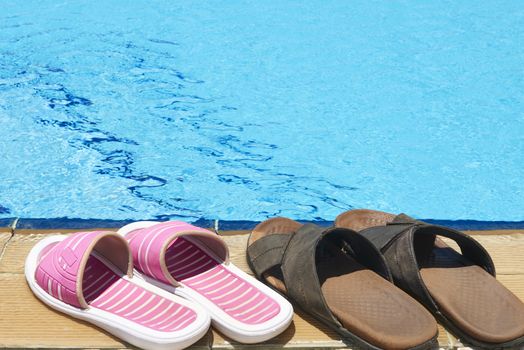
x=232 y=328
x=128 y=331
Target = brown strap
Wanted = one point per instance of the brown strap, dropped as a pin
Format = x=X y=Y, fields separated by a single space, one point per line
x=267 y=252
x=396 y=242
x=300 y=272
x=296 y=253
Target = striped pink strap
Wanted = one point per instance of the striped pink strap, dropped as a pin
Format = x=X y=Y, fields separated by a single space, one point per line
x=149 y=246
x=61 y=267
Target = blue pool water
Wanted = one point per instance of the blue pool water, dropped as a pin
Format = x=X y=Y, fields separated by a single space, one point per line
x=240 y=110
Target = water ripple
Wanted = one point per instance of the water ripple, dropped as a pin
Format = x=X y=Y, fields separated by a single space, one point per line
x=75 y=113
x=160 y=41
x=119 y=115
x=4 y=210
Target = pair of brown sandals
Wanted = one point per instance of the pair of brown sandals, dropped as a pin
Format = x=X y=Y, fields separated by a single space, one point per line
x=377 y=279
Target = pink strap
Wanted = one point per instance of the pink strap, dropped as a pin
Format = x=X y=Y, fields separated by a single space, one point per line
x=61 y=268
x=149 y=246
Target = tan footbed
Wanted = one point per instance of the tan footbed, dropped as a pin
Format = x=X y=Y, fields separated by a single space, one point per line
x=366 y=304
x=472 y=298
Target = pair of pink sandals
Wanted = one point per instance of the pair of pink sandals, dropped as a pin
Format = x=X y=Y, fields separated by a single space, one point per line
x=180 y=282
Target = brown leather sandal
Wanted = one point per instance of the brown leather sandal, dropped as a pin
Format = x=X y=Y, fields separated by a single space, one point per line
x=459 y=288
x=340 y=278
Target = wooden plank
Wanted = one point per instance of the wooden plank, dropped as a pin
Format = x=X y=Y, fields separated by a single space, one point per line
x=305 y=330
x=28 y=323
x=16 y=251
x=237 y=251
x=24 y=327
x=473 y=233
x=28 y=320
x=494 y=232
x=507 y=251
x=67 y=231
x=4 y=237
x=514 y=283
x=62 y=231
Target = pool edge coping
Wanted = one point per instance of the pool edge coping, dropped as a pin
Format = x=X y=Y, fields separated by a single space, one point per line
x=10 y=224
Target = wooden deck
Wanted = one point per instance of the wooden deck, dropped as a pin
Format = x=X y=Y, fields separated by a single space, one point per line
x=25 y=322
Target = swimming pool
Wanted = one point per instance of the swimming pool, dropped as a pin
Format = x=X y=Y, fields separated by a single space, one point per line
x=245 y=110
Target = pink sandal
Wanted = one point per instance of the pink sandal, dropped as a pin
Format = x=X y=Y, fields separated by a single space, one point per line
x=89 y=275
x=194 y=263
